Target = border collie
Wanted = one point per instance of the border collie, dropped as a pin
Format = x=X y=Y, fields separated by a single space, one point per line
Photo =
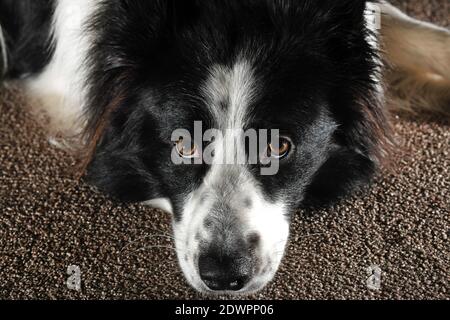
x=121 y=76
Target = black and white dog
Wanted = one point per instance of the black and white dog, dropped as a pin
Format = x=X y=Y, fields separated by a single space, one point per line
x=124 y=75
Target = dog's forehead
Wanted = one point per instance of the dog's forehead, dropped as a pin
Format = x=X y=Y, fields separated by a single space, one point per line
x=228 y=92
x=240 y=96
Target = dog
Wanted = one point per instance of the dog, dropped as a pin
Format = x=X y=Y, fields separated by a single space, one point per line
x=119 y=77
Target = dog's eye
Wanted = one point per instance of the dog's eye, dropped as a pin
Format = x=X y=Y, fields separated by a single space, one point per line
x=281 y=151
x=187 y=152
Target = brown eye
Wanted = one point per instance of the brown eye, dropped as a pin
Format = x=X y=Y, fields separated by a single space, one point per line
x=186 y=152
x=282 y=151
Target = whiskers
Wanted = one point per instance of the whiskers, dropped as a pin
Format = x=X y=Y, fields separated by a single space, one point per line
x=168 y=243
x=292 y=242
x=155 y=240
x=128 y=248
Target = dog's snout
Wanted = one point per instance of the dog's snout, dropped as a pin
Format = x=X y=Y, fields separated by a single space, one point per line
x=221 y=272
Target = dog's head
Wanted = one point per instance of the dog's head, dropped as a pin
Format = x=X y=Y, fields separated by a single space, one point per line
x=298 y=74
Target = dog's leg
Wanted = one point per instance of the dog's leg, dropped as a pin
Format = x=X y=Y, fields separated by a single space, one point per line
x=418 y=58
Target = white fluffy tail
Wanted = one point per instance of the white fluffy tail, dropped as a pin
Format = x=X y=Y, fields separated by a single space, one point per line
x=418 y=59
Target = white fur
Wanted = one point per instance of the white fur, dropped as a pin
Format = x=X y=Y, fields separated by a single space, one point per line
x=231 y=183
x=161 y=203
x=234 y=85
x=373 y=16
x=267 y=219
x=3 y=51
x=389 y=9
x=60 y=88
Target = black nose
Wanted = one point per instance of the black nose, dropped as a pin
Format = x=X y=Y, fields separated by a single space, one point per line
x=224 y=272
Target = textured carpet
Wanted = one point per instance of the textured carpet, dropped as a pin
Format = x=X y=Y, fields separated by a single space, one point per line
x=49 y=221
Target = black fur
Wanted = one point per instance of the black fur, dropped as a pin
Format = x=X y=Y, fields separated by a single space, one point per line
x=314 y=73
x=149 y=59
x=27 y=29
x=312 y=61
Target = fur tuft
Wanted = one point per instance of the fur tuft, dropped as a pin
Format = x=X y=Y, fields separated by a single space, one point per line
x=415 y=92
x=417 y=56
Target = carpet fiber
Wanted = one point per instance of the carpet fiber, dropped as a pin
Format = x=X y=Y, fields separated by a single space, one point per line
x=49 y=221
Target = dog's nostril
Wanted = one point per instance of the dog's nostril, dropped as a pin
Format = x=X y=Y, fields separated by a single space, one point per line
x=224 y=273
x=225 y=284
x=253 y=240
x=238 y=284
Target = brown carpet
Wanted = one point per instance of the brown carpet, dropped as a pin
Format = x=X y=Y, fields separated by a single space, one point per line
x=48 y=221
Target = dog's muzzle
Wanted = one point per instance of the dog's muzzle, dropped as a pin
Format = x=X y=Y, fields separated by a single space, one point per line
x=229 y=266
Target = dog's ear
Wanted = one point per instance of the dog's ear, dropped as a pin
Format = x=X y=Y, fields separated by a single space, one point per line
x=344 y=172
x=364 y=138
x=362 y=144
x=117 y=165
x=125 y=34
x=121 y=176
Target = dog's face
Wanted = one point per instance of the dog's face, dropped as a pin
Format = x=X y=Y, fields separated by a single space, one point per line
x=298 y=71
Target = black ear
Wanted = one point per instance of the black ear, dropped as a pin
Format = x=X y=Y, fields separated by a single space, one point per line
x=119 y=167
x=125 y=34
x=128 y=41
x=343 y=172
x=362 y=143
x=364 y=138
x=122 y=177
